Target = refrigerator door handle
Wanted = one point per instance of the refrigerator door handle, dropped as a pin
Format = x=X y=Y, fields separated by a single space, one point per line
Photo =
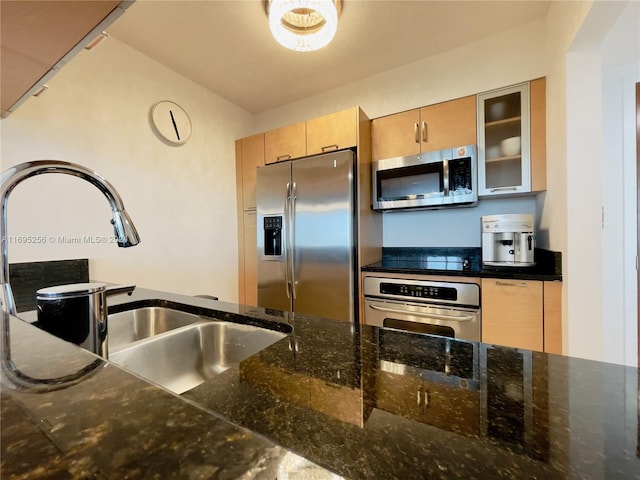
x=287 y=283
x=445 y=174
x=292 y=232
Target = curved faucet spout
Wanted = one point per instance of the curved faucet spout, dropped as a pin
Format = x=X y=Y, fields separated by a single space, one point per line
x=124 y=229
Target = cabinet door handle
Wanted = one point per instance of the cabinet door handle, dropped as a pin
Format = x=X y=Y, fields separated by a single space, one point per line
x=424 y=131
x=294 y=345
x=329 y=147
x=415 y=133
x=286 y=156
x=41 y=90
x=509 y=284
x=504 y=189
x=424 y=398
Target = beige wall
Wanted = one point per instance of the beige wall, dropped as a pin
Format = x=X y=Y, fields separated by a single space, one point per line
x=603 y=65
x=500 y=60
x=563 y=22
x=182 y=199
x=594 y=52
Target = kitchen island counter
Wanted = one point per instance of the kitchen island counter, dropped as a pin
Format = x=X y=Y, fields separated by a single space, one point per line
x=361 y=402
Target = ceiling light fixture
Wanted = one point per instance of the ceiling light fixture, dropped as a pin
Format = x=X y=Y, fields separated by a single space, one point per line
x=303 y=25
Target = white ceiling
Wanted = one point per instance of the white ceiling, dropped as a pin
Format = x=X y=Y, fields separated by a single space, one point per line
x=226 y=46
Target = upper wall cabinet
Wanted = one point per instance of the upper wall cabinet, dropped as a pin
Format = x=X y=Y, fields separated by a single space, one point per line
x=38 y=38
x=435 y=127
x=251 y=157
x=285 y=143
x=512 y=139
x=333 y=132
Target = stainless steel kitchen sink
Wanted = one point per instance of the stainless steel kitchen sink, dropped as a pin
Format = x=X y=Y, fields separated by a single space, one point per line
x=141 y=323
x=182 y=359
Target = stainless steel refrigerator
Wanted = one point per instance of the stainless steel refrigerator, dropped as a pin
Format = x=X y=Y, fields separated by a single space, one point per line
x=307 y=235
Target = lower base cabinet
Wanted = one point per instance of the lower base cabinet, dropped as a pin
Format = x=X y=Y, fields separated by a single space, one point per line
x=522 y=314
x=442 y=406
x=337 y=401
x=249 y=260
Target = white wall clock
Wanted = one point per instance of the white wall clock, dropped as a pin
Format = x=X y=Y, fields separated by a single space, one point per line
x=171 y=122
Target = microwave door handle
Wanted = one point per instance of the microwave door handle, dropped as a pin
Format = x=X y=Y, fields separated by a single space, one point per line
x=287 y=199
x=445 y=174
x=435 y=316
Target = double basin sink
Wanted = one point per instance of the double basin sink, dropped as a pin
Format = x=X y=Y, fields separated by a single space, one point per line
x=179 y=350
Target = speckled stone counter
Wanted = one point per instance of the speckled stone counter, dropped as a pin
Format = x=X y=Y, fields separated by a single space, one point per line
x=112 y=424
x=360 y=402
x=463 y=262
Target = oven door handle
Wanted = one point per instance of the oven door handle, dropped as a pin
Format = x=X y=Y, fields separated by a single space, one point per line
x=462 y=318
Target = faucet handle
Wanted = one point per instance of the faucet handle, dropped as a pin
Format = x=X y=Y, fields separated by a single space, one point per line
x=118 y=289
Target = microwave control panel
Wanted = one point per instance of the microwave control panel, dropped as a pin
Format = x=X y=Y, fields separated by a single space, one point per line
x=460 y=174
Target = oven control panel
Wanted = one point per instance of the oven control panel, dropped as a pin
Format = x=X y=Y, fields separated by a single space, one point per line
x=423 y=291
x=419 y=291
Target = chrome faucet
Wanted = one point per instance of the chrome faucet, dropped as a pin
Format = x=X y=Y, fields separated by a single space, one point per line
x=123 y=226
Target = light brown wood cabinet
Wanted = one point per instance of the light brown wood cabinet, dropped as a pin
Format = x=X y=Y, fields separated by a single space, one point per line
x=512 y=313
x=249 y=242
x=538 y=132
x=36 y=36
x=442 y=406
x=522 y=314
x=449 y=124
x=252 y=156
x=344 y=129
x=434 y=127
x=285 y=143
x=335 y=131
x=249 y=156
x=337 y=401
x=553 y=342
x=505 y=113
x=274 y=380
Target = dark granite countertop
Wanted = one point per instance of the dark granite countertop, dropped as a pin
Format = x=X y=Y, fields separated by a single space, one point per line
x=361 y=402
x=463 y=262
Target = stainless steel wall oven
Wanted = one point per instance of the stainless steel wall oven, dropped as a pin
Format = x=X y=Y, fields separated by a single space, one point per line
x=449 y=309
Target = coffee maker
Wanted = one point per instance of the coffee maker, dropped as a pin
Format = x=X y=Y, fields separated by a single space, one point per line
x=508 y=240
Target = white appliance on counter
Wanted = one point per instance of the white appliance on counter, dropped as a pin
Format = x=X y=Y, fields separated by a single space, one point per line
x=508 y=240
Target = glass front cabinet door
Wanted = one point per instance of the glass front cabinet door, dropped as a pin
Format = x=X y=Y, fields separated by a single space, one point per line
x=504 y=156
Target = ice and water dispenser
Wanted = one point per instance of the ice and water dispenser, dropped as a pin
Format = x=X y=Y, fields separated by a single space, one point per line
x=272 y=229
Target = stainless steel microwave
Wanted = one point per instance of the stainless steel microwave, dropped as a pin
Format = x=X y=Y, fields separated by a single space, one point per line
x=441 y=179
